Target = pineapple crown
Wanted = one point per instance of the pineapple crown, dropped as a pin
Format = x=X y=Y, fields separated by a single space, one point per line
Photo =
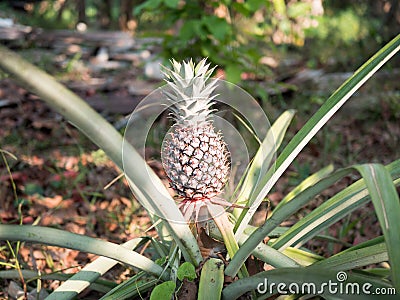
x=191 y=93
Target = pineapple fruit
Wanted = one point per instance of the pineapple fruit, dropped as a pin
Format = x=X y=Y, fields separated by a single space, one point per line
x=194 y=155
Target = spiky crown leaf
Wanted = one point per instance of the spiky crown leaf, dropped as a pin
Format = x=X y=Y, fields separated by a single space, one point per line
x=191 y=91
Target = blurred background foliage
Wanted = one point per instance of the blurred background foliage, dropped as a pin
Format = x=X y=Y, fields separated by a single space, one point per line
x=241 y=36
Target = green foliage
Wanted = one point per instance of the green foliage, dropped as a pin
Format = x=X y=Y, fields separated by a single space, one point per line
x=163 y=291
x=186 y=270
x=392 y=101
x=62 y=14
x=99 y=157
x=33 y=188
x=200 y=32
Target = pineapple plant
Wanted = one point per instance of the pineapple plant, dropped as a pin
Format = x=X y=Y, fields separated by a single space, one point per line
x=194 y=155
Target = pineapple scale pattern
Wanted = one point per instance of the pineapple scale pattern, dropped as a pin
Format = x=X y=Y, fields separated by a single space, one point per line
x=196 y=160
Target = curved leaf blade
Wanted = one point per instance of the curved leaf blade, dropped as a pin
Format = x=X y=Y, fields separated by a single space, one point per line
x=387 y=207
x=347 y=260
x=91 y=272
x=211 y=280
x=277 y=218
x=261 y=164
x=330 y=211
x=61 y=238
x=306 y=183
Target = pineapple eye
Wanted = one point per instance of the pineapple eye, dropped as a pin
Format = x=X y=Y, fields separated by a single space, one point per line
x=198 y=153
x=184 y=179
x=196 y=142
x=204 y=146
x=194 y=163
x=184 y=160
x=203 y=166
x=189 y=150
x=188 y=170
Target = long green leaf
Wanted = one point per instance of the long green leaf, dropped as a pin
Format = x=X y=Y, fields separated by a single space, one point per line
x=263 y=252
x=262 y=159
x=306 y=183
x=272 y=256
x=303 y=257
x=325 y=215
x=211 y=280
x=387 y=207
x=355 y=258
x=140 y=283
x=130 y=288
x=368 y=243
x=225 y=227
x=99 y=285
x=261 y=163
x=322 y=217
x=277 y=218
x=318 y=120
x=148 y=189
x=91 y=272
x=330 y=211
x=61 y=238
x=386 y=202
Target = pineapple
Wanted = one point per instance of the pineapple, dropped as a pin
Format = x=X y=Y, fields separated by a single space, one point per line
x=194 y=155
